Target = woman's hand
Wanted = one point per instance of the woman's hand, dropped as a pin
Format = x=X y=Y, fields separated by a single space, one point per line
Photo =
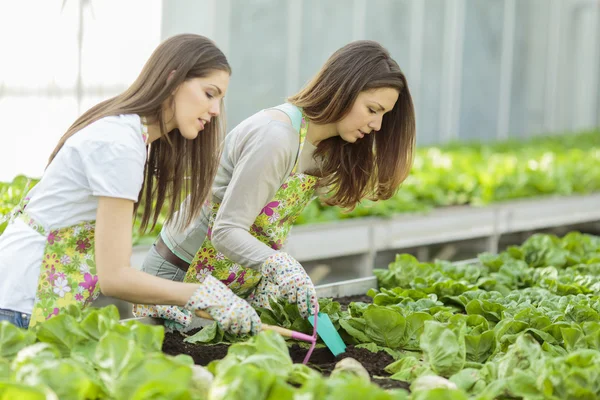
x=284 y=276
x=231 y=312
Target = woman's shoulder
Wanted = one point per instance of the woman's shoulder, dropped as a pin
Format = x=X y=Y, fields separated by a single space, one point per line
x=269 y=128
x=116 y=131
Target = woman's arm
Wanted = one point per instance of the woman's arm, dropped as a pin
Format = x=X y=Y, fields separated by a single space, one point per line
x=262 y=161
x=114 y=222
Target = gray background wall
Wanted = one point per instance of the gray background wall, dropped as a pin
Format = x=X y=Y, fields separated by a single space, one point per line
x=478 y=69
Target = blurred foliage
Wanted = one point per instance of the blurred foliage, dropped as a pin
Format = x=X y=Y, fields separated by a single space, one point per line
x=454 y=174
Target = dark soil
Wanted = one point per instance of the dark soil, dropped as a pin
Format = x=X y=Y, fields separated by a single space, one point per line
x=375 y=363
x=202 y=354
x=346 y=300
x=321 y=358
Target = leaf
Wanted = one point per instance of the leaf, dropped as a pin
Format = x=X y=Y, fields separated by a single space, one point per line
x=10 y=390
x=115 y=355
x=480 y=347
x=267 y=351
x=148 y=337
x=242 y=382
x=157 y=377
x=356 y=328
x=523 y=385
x=469 y=380
x=13 y=339
x=31 y=355
x=372 y=347
x=553 y=350
x=415 y=324
x=490 y=311
x=63 y=331
x=509 y=327
x=95 y=325
x=69 y=379
x=523 y=355
x=4 y=369
x=280 y=390
x=350 y=387
x=205 y=335
x=385 y=327
x=444 y=347
x=407 y=369
x=439 y=394
x=580 y=314
x=300 y=374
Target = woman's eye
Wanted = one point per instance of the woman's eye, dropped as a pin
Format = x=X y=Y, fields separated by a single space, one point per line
x=210 y=96
x=372 y=111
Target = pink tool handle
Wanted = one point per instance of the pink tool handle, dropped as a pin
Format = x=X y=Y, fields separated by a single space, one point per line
x=314 y=335
x=303 y=336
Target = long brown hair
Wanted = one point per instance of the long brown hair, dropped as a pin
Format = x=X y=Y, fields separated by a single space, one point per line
x=375 y=166
x=176 y=167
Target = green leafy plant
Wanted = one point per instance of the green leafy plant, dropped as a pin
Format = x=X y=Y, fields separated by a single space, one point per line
x=91 y=355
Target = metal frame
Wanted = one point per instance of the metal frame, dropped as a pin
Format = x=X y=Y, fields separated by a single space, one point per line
x=584 y=63
x=452 y=72
x=294 y=45
x=417 y=26
x=506 y=68
x=359 y=236
x=555 y=32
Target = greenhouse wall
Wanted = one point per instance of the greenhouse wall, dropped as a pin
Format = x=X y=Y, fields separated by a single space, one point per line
x=477 y=69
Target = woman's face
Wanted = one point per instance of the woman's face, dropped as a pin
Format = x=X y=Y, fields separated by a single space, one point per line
x=366 y=113
x=197 y=100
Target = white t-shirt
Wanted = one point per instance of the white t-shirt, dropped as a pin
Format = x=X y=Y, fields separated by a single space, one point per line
x=106 y=158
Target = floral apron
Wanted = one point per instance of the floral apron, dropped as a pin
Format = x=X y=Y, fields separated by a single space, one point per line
x=68 y=271
x=271 y=226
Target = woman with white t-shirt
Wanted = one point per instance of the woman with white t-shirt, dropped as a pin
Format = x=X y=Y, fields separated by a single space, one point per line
x=349 y=134
x=157 y=141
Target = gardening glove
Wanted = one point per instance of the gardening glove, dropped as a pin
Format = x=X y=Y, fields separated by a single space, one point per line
x=176 y=318
x=292 y=281
x=231 y=312
x=262 y=293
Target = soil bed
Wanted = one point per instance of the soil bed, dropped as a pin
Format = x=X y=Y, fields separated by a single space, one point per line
x=202 y=354
x=322 y=360
x=346 y=300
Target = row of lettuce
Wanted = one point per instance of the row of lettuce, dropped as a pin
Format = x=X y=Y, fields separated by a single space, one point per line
x=524 y=324
x=521 y=324
x=455 y=174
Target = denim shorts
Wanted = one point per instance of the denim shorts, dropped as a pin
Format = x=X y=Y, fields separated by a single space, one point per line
x=14 y=317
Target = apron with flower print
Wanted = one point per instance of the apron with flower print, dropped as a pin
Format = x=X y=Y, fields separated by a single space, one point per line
x=68 y=270
x=271 y=227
